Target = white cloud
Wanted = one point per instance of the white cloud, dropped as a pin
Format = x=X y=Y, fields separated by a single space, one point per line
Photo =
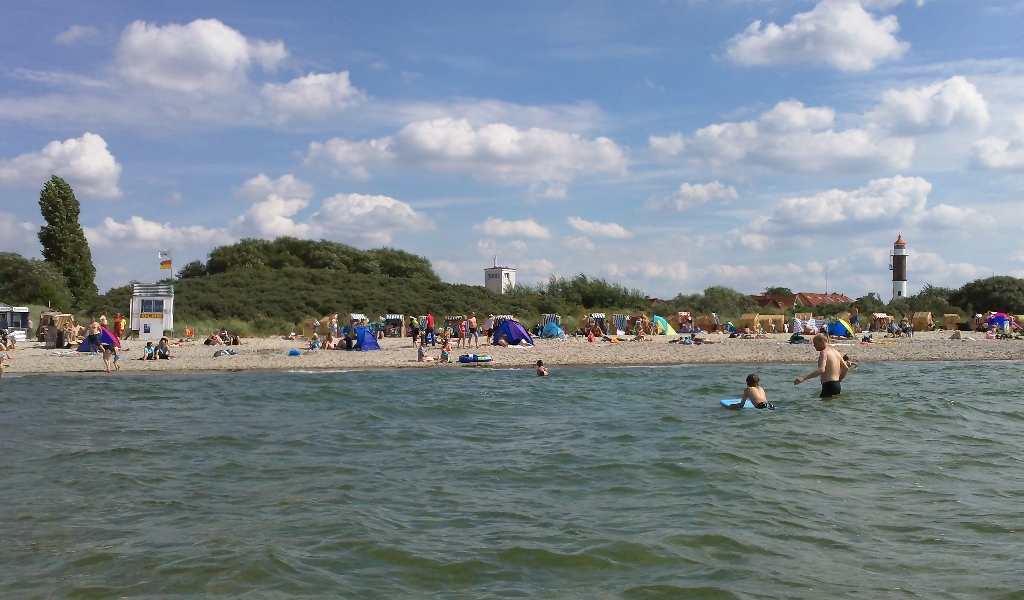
x=286 y=186
x=688 y=196
x=365 y=218
x=676 y=271
x=314 y=95
x=272 y=218
x=937 y=107
x=793 y=138
x=880 y=200
x=137 y=232
x=997 y=153
x=839 y=33
x=18 y=236
x=669 y=145
x=539 y=267
x=578 y=243
x=373 y=218
x=502 y=228
x=882 y=203
x=76 y=32
x=612 y=230
x=944 y=216
x=496 y=151
x=202 y=56
x=447 y=267
x=85 y=163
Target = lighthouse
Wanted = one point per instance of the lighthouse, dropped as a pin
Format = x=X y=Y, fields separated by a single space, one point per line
x=898 y=265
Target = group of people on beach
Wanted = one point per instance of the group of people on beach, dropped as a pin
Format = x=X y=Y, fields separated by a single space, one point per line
x=832 y=369
x=463 y=330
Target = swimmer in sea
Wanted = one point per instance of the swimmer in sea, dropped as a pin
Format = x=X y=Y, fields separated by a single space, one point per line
x=542 y=371
x=755 y=393
x=832 y=369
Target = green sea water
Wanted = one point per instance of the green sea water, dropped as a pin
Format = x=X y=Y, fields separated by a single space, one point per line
x=488 y=483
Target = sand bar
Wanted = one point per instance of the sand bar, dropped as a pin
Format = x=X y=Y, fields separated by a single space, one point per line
x=271 y=354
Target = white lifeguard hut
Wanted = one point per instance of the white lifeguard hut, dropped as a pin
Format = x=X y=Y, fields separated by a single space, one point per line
x=898 y=266
x=499 y=279
x=152 y=310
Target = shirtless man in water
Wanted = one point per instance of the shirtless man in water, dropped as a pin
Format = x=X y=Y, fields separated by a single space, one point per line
x=831 y=368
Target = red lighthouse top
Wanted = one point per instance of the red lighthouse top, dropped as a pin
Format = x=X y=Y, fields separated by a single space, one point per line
x=899 y=241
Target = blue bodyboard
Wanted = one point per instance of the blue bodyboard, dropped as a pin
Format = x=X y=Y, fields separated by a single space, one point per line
x=729 y=402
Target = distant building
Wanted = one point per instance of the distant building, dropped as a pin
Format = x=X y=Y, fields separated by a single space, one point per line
x=800 y=299
x=152 y=310
x=499 y=279
x=898 y=266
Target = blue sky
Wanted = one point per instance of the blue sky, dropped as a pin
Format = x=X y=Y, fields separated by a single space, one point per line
x=663 y=145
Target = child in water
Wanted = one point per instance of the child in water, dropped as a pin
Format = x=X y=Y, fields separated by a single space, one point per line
x=755 y=393
x=542 y=371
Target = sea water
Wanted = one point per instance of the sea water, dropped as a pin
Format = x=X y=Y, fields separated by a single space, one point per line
x=488 y=483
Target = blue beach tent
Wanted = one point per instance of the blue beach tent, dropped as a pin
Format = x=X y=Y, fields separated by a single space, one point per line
x=552 y=330
x=365 y=340
x=840 y=328
x=513 y=331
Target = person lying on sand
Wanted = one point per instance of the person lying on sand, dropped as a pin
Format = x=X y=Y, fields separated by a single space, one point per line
x=755 y=393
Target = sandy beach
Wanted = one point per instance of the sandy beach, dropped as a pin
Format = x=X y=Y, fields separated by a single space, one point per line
x=272 y=354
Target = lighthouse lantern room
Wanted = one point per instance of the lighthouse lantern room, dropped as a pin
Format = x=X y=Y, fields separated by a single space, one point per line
x=898 y=266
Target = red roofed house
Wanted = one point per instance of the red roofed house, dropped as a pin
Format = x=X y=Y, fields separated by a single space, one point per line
x=801 y=299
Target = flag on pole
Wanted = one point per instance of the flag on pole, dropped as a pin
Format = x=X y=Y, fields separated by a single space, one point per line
x=165 y=259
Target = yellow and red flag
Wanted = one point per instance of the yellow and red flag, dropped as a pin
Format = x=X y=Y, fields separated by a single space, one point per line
x=165 y=259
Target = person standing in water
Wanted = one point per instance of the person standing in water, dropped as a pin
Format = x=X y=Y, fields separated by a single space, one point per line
x=832 y=369
x=542 y=371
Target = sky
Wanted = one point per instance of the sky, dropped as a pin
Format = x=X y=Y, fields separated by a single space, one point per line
x=663 y=145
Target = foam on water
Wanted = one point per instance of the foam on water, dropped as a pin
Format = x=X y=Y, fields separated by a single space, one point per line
x=598 y=482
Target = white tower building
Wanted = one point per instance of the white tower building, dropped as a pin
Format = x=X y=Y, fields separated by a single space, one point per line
x=898 y=265
x=499 y=279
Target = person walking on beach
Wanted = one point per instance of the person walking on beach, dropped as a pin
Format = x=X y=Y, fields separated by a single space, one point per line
x=832 y=369
x=429 y=330
x=93 y=336
x=473 y=335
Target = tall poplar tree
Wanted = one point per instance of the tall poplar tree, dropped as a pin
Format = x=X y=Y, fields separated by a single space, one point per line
x=64 y=243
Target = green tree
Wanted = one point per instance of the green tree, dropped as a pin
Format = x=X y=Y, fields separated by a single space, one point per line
x=1001 y=294
x=777 y=291
x=31 y=281
x=192 y=270
x=872 y=303
x=64 y=243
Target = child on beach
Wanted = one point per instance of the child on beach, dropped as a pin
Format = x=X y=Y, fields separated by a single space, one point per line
x=149 y=352
x=755 y=393
x=446 y=352
x=421 y=353
x=542 y=371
